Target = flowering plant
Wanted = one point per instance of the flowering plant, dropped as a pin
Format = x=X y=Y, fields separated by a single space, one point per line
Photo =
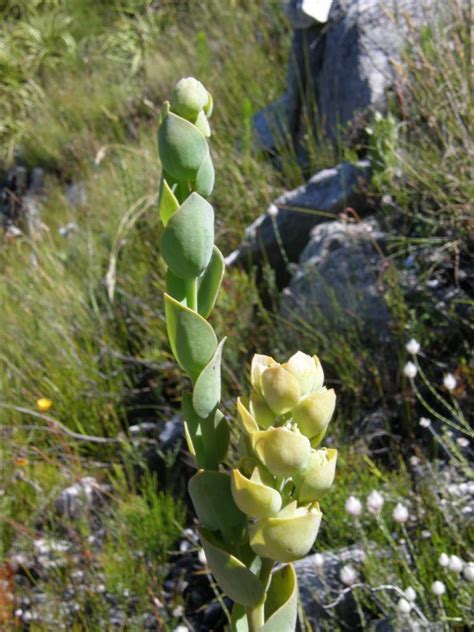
x=265 y=510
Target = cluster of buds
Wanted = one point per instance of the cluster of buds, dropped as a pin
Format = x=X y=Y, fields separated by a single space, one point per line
x=266 y=509
x=282 y=472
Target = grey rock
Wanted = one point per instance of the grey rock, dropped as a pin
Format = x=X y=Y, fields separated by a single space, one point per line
x=76 y=194
x=279 y=236
x=270 y=125
x=81 y=498
x=319 y=586
x=351 y=62
x=339 y=281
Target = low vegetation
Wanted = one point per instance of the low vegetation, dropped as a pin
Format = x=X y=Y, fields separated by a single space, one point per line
x=83 y=323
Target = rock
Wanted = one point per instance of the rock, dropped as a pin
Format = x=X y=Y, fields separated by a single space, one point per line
x=338 y=281
x=81 y=498
x=351 y=61
x=20 y=200
x=321 y=585
x=290 y=218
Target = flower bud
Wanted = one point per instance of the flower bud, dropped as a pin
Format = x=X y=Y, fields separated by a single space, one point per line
x=260 y=363
x=253 y=496
x=282 y=451
x=280 y=389
x=189 y=98
x=289 y=535
x=314 y=412
x=307 y=370
x=318 y=475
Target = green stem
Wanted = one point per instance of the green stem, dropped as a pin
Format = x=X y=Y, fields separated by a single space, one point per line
x=192 y=293
x=256 y=615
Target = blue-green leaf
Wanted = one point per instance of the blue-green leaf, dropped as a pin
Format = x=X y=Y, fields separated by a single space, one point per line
x=205 y=177
x=181 y=146
x=210 y=283
x=212 y=499
x=188 y=239
x=281 y=605
x=167 y=204
x=192 y=338
x=209 y=437
x=207 y=389
x=236 y=580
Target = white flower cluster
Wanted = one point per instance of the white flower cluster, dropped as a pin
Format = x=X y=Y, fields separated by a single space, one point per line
x=456 y=565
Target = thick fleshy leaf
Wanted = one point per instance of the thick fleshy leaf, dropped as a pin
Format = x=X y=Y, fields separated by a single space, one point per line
x=202 y=124
x=192 y=338
x=176 y=287
x=207 y=390
x=238 y=619
x=208 y=439
x=212 y=499
x=181 y=146
x=167 y=204
x=235 y=579
x=281 y=605
x=288 y=536
x=313 y=413
x=246 y=421
x=264 y=416
x=253 y=497
x=188 y=239
x=282 y=451
x=205 y=177
x=210 y=283
x=318 y=475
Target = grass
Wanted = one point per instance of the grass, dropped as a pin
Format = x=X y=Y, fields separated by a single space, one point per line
x=80 y=93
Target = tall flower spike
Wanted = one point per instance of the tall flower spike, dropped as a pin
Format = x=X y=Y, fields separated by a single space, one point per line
x=265 y=509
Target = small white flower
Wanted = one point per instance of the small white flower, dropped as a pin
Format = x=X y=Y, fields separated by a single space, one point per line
x=375 y=502
x=410 y=594
x=468 y=572
x=413 y=346
x=348 y=575
x=414 y=460
x=455 y=564
x=403 y=606
x=443 y=560
x=353 y=506
x=273 y=210
x=425 y=422
x=438 y=588
x=449 y=381
x=318 y=560
x=410 y=370
x=463 y=442
x=202 y=557
x=400 y=513
x=181 y=628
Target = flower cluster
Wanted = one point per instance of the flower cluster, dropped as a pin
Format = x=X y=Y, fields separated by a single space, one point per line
x=282 y=473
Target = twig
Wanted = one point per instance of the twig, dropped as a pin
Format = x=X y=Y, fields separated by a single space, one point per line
x=395 y=589
x=56 y=426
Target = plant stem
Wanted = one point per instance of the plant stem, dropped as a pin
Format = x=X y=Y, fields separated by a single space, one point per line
x=192 y=293
x=256 y=615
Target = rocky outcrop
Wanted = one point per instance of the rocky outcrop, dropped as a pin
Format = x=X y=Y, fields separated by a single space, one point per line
x=339 y=280
x=278 y=237
x=343 y=68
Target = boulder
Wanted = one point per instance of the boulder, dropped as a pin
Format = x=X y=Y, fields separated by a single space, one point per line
x=279 y=236
x=319 y=584
x=81 y=498
x=339 y=281
x=345 y=67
